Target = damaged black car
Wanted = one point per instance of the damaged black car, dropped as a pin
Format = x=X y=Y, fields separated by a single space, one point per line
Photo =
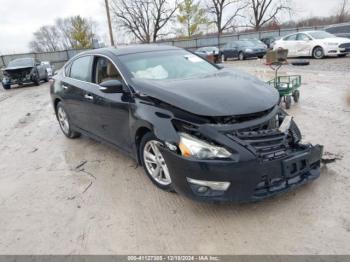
x=23 y=70
x=210 y=133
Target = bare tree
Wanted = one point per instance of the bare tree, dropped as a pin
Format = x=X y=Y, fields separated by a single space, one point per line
x=342 y=14
x=218 y=9
x=47 y=39
x=64 y=26
x=144 y=18
x=66 y=33
x=265 y=11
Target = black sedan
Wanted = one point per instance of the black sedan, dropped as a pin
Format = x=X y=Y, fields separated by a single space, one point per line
x=242 y=49
x=209 y=133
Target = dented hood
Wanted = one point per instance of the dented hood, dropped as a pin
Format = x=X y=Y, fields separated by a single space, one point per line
x=17 y=68
x=226 y=93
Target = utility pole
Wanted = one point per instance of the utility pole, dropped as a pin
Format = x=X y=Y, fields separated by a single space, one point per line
x=109 y=23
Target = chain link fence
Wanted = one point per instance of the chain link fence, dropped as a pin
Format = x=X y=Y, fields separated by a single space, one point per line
x=215 y=40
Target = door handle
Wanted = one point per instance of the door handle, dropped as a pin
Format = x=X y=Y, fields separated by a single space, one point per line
x=64 y=87
x=89 y=97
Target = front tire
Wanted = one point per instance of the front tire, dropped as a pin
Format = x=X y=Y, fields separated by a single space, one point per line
x=37 y=79
x=318 y=52
x=6 y=87
x=47 y=78
x=63 y=120
x=288 y=101
x=296 y=96
x=154 y=163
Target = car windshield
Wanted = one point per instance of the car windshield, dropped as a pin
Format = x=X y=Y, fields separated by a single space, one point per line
x=164 y=65
x=21 y=62
x=212 y=49
x=247 y=43
x=321 y=35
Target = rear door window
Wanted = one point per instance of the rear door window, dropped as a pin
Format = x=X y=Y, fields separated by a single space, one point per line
x=81 y=69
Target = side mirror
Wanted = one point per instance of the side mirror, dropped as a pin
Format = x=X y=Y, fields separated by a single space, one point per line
x=111 y=86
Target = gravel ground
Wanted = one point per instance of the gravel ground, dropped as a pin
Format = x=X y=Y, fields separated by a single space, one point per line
x=60 y=196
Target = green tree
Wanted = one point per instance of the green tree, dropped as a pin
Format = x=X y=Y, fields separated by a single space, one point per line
x=191 y=17
x=81 y=32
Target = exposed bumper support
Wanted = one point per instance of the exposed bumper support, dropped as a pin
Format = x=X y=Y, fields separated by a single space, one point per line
x=249 y=181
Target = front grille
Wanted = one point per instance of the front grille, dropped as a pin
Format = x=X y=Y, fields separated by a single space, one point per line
x=268 y=186
x=242 y=118
x=267 y=145
x=346 y=45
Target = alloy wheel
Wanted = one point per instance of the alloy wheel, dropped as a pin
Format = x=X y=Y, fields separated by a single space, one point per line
x=63 y=120
x=318 y=53
x=155 y=163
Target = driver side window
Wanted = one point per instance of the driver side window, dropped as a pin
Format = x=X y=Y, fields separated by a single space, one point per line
x=105 y=70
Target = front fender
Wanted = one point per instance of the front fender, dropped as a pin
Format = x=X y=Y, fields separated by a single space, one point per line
x=158 y=120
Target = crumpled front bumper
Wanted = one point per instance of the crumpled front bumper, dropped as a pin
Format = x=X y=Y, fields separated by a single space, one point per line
x=250 y=181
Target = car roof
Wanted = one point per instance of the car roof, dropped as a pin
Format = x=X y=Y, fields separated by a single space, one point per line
x=338 y=25
x=132 y=49
x=307 y=32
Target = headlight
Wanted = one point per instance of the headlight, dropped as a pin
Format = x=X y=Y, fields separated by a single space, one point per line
x=332 y=44
x=196 y=148
x=248 y=50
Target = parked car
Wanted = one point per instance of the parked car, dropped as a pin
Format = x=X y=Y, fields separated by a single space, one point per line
x=210 y=50
x=242 y=49
x=50 y=69
x=205 y=52
x=339 y=30
x=23 y=70
x=208 y=133
x=269 y=41
x=257 y=43
x=317 y=44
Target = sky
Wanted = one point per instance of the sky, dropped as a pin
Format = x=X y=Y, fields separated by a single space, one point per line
x=20 y=18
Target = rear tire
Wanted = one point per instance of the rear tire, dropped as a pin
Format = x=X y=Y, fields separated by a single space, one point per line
x=152 y=159
x=318 y=52
x=63 y=120
x=6 y=87
x=260 y=56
